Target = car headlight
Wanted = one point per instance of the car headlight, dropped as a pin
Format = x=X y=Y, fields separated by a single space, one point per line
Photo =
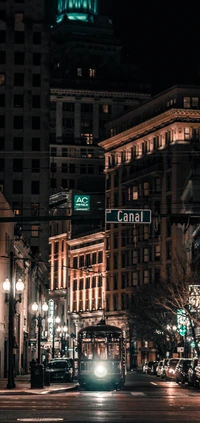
x=100 y=370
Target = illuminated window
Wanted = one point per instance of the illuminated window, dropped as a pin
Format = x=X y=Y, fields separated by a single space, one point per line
x=157 y=252
x=17 y=209
x=135 y=257
x=35 y=231
x=146 y=231
x=146 y=189
x=195 y=102
x=104 y=108
x=146 y=255
x=79 y=71
x=135 y=193
x=146 y=276
x=186 y=102
x=87 y=138
x=92 y=73
x=186 y=133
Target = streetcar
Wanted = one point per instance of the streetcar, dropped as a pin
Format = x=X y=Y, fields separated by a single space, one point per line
x=101 y=356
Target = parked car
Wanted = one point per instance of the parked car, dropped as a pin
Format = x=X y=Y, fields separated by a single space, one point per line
x=169 y=368
x=144 y=367
x=152 y=368
x=60 y=369
x=192 y=371
x=159 y=368
x=162 y=370
x=149 y=367
x=181 y=370
x=197 y=376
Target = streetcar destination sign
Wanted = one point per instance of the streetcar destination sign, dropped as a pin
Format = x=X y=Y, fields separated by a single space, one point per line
x=127 y=216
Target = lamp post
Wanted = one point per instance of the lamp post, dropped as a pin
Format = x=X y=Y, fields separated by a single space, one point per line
x=11 y=288
x=39 y=318
x=62 y=331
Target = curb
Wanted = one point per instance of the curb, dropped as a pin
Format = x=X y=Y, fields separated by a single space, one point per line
x=37 y=391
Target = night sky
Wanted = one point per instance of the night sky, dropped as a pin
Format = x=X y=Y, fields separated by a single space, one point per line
x=163 y=37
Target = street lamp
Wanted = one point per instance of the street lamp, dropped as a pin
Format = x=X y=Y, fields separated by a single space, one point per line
x=62 y=331
x=12 y=289
x=53 y=320
x=39 y=318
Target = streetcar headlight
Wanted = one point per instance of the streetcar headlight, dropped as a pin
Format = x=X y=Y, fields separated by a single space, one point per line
x=100 y=370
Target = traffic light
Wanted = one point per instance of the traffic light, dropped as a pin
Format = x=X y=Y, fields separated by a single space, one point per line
x=182 y=330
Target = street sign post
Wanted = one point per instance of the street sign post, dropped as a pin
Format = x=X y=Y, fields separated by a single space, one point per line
x=127 y=216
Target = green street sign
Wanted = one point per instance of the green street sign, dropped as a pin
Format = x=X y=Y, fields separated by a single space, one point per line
x=127 y=216
x=182 y=330
x=81 y=202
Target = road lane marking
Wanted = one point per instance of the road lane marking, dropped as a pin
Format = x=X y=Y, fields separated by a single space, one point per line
x=137 y=394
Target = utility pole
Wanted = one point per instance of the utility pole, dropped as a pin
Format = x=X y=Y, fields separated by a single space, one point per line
x=11 y=383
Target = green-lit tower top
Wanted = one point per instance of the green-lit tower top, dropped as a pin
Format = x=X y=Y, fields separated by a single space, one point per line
x=77 y=10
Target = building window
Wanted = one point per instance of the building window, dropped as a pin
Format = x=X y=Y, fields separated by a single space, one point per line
x=17 y=209
x=81 y=261
x=87 y=139
x=18 y=79
x=92 y=73
x=146 y=255
x=64 y=167
x=81 y=283
x=104 y=108
x=146 y=189
x=158 y=185
x=36 y=101
x=146 y=276
x=35 y=187
x=100 y=256
x=2 y=79
x=35 y=144
x=135 y=193
x=86 y=108
x=115 y=282
x=187 y=133
x=35 y=209
x=19 y=58
x=79 y=71
x=94 y=258
x=35 y=231
x=135 y=257
x=53 y=151
x=186 y=102
x=19 y=37
x=18 y=165
x=87 y=283
x=18 y=122
x=75 y=285
x=36 y=80
x=36 y=59
x=134 y=278
x=36 y=37
x=195 y=102
x=115 y=302
x=18 y=100
x=93 y=281
x=2 y=121
x=53 y=167
x=17 y=187
x=35 y=122
x=35 y=165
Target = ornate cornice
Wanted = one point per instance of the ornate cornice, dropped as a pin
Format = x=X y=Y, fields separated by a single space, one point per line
x=165 y=119
x=64 y=92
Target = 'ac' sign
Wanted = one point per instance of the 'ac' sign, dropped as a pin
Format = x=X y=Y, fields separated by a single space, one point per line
x=82 y=202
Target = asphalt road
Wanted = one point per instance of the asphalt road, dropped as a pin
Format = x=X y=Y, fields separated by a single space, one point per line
x=144 y=399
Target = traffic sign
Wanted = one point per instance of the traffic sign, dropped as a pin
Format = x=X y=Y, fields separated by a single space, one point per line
x=127 y=216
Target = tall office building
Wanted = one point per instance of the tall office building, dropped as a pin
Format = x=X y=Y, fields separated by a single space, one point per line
x=89 y=86
x=24 y=115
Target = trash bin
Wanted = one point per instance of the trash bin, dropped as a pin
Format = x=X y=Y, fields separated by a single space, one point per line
x=46 y=377
x=37 y=376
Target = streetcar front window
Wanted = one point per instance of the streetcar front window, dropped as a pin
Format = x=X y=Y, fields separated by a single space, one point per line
x=113 y=351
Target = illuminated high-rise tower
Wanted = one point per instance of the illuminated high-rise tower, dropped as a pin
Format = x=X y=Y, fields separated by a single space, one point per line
x=83 y=10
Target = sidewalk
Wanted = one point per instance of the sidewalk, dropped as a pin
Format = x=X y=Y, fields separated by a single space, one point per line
x=23 y=387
